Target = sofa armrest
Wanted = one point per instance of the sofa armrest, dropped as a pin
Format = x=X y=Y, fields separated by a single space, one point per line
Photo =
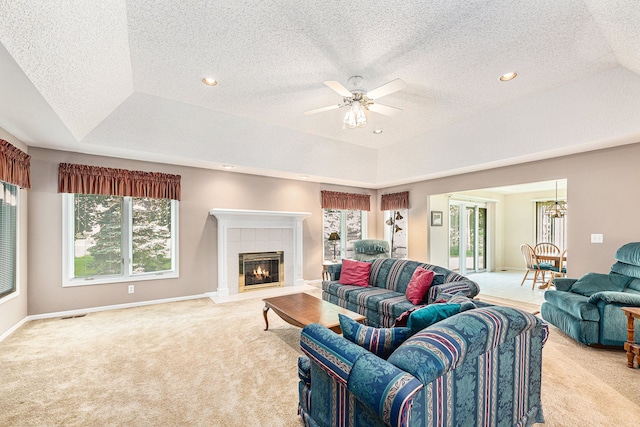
x=385 y=389
x=563 y=284
x=334 y=271
x=330 y=351
x=468 y=288
x=304 y=369
x=612 y=297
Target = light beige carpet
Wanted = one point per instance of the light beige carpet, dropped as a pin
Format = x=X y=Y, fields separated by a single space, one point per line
x=205 y=364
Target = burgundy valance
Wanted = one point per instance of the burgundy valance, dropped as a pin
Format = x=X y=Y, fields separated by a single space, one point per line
x=345 y=201
x=395 y=201
x=83 y=179
x=14 y=165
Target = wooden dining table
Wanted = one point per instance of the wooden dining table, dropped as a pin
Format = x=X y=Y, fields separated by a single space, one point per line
x=555 y=259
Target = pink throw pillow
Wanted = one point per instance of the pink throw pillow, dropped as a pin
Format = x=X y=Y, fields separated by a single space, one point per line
x=419 y=285
x=355 y=273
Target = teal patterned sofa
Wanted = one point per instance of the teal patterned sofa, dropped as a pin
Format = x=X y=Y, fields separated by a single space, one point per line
x=479 y=367
x=588 y=309
x=384 y=300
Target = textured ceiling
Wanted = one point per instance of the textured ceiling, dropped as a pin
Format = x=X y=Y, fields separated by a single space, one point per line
x=123 y=78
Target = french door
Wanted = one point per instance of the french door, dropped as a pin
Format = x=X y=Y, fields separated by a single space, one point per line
x=467 y=236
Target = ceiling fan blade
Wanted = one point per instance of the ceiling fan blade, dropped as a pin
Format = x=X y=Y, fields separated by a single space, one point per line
x=384 y=109
x=320 y=110
x=337 y=86
x=386 y=89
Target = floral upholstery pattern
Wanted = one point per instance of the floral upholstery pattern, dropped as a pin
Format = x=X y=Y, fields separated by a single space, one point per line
x=384 y=300
x=479 y=367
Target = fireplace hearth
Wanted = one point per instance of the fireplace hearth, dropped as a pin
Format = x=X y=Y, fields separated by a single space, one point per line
x=260 y=270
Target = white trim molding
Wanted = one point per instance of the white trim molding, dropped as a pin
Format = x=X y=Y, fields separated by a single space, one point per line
x=257 y=219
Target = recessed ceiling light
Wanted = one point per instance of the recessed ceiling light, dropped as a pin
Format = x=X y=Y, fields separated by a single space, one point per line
x=304 y=176
x=508 y=76
x=209 y=81
x=377 y=131
x=228 y=166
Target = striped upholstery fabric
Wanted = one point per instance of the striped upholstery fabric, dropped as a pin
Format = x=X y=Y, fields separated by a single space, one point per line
x=384 y=300
x=481 y=367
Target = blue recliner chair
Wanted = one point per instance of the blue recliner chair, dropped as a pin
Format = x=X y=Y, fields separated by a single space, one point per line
x=588 y=309
x=368 y=249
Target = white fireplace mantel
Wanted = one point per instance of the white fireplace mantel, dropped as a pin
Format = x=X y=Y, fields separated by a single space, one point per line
x=241 y=218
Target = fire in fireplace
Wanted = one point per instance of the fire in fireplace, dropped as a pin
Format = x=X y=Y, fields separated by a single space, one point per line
x=260 y=270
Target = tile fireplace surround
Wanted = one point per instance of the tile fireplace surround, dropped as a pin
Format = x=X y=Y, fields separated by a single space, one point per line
x=242 y=231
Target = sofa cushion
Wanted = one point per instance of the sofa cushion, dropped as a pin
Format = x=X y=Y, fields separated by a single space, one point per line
x=392 y=274
x=419 y=285
x=355 y=272
x=427 y=316
x=591 y=283
x=379 y=341
x=575 y=304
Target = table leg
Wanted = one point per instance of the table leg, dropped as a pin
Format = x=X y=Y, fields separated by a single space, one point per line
x=264 y=313
x=630 y=341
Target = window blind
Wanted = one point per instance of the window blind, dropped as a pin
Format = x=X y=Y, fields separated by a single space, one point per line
x=8 y=225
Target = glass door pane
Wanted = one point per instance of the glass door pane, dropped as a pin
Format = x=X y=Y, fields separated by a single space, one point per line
x=454 y=237
x=467 y=236
x=470 y=238
x=482 y=239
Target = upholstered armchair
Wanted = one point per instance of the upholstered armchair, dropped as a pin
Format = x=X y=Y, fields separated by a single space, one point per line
x=368 y=249
x=588 y=309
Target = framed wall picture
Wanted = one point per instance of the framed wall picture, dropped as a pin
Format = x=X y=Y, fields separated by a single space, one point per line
x=436 y=218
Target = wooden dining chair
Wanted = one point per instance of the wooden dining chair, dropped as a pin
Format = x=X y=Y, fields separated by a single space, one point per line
x=532 y=264
x=546 y=248
x=561 y=270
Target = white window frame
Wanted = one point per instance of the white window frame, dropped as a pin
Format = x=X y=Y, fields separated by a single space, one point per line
x=16 y=293
x=343 y=231
x=68 y=241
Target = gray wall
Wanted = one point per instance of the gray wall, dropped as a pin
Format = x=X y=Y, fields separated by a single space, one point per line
x=601 y=194
x=202 y=190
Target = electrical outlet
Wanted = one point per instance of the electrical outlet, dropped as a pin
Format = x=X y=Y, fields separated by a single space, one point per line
x=597 y=238
x=131 y=289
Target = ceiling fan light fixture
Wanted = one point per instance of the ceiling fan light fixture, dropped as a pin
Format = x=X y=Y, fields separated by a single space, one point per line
x=355 y=117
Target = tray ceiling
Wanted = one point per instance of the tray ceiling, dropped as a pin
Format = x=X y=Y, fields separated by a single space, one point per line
x=123 y=78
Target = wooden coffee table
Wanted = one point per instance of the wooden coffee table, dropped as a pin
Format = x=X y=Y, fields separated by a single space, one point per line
x=302 y=309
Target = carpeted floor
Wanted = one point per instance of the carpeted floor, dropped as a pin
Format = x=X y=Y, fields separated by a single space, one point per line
x=205 y=364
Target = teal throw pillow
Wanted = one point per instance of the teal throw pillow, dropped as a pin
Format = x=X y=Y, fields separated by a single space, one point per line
x=379 y=341
x=591 y=283
x=427 y=316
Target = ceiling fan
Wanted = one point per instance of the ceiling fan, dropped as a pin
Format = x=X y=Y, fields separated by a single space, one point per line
x=358 y=100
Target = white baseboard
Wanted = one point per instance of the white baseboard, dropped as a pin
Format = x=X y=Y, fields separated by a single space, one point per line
x=112 y=307
x=14 y=328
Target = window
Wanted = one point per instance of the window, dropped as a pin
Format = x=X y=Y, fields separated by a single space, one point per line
x=395 y=232
x=8 y=238
x=349 y=224
x=115 y=239
x=550 y=229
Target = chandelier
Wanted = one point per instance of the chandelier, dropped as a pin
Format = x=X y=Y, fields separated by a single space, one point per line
x=557 y=210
